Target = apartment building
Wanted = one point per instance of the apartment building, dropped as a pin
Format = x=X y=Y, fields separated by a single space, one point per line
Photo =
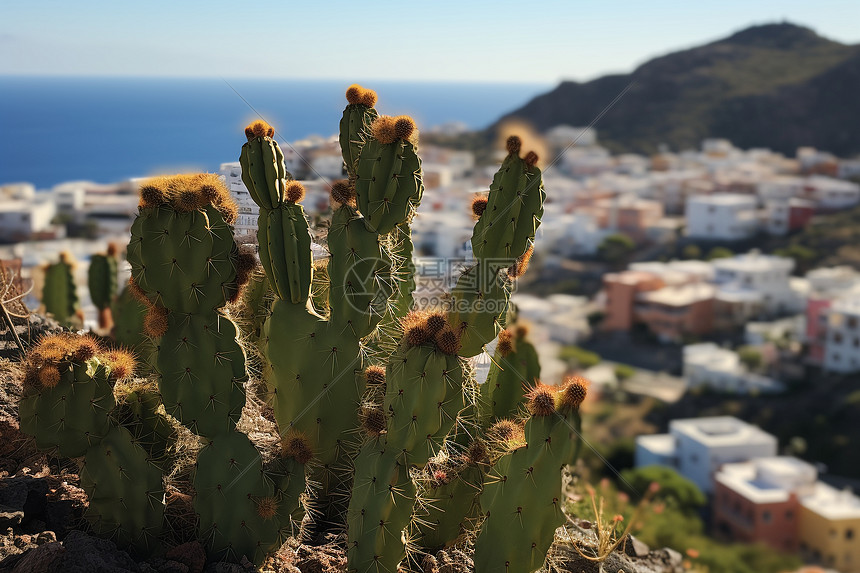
x=721 y=369
x=767 y=275
x=841 y=351
x=829 y=528
x=759 y=501
x=721 y=217
x=698 y=447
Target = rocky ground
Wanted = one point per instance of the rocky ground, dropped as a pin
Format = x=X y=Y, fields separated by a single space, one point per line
x=42 y=529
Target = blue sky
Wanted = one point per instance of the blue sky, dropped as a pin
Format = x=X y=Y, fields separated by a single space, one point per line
x=541 y=41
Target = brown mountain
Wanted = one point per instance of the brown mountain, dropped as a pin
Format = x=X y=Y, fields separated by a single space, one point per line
x=778 y=85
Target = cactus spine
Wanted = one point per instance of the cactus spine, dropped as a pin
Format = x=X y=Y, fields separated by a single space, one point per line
x=67 y=406
x=102 y=281
x=185 y=262
x=60 y=295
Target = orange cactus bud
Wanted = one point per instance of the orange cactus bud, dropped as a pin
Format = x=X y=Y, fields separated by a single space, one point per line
x=383 y=129
x=294 y=191
x=155 y=321
x=514 y=144
x=506 y=342
x=259 y=128
x=374 y=375
x=479 y=205
x=573 y=393
x=343 y=193
x=297 y=446
x=541 y=400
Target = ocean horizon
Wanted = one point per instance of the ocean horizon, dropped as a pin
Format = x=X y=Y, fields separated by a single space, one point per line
x=108 y=129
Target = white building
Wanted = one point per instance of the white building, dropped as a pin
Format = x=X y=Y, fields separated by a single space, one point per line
x=726 y=217
x=721 y=369
x=20 y=220
x=767 y=275
x=833 y=194
x=769 y=479
x=698 y=447
x=563 y=316
x=563 y=136
x=842 y=345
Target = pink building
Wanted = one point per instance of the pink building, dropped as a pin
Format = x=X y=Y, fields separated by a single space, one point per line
x=759 y=501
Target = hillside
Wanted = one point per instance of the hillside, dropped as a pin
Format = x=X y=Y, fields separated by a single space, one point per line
x=777 y=85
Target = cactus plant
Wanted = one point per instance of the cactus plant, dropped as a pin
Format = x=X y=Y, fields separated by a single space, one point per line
x=102 y=281
x=186 y=264
x=67 y=406
x=515 y=367
x=314 y=360
x=521 y=497
x=129 y=312
x=425 y=381
x=59 y=294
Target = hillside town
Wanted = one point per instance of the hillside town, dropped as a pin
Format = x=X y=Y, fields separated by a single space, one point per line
x=667 y=263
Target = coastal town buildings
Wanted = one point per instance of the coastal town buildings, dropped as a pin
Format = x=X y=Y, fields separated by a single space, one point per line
x=698 y=447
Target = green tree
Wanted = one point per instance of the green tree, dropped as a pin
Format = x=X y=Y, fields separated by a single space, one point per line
x=691 y=252
x=750 y=356
x=580 y=357
x=673 y=486
x=623 y=371
x=616 y=249
x=803 y=256
x=720 y=253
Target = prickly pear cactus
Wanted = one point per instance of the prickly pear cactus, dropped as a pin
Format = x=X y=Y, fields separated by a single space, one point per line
x=314 y=356
x=522 y=495
x=67 y=406
x=514 y=369
x=187 y=266
x=60 y=295
x=102 y=282
x=413 y=428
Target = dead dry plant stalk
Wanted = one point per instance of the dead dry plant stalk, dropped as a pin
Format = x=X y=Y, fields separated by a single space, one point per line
x=608 y=536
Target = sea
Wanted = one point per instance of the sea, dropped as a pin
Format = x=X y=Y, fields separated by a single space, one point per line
x=58 y=129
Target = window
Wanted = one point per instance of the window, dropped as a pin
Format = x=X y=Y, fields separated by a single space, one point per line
x=837 y=337
x=849 y=534
x=852 y=322
x=765 y=516
x=789 y=515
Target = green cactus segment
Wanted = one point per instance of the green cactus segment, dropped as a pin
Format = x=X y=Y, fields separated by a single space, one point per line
x=513 y=213
x=128 y=313
x=424 y=396
x=509 y=378
x=255 y=308
x=452 y=508
x=232 y=490
x=202 y=372
x=102 y=280
x=183 y=261
x=138 y=412
x=354 y=131
x=521 y=497
x=383 y=495
x=285 y=251
x=125 y=492
x=263 y=171
x=389 y=185
x=73 y=415
x=359 y=273
x=479 y=303
x=59 y=295
x=404 y=269
x=314 y=389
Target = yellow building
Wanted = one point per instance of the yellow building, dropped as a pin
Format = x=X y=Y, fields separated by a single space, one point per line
x=829 y=528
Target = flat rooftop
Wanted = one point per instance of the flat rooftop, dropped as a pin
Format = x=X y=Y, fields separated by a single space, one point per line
x=661 y=444
x=768 y=480
x=832 y=503
x=721 y=431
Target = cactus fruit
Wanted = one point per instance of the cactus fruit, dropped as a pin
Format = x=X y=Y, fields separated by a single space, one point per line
x=521 y=497
x=187 y=266
x=102 y=281
x=514 y=369
x=60 y=295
